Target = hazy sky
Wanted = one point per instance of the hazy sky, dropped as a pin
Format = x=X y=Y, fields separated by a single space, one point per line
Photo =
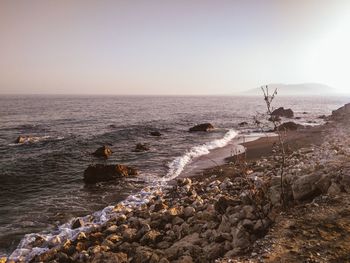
x=171 y=47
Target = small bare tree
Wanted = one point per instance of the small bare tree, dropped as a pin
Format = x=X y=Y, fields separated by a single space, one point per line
x=279 y=149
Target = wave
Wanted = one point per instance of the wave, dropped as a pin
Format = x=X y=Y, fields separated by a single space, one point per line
x=178 y=165
x=28 y=247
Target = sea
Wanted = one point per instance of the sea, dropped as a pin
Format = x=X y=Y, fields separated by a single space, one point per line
x=41 y=182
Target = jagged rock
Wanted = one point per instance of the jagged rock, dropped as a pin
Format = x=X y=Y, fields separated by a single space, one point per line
x=103 y=151
x=77 y=223
x=188 y=244
x=281 y=112
x=155 y=133
x=202 y=127
x=290 y=126
x=142 y=147
x=100 y=172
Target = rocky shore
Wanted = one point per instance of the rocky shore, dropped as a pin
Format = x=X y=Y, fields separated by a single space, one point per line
x=234 y=213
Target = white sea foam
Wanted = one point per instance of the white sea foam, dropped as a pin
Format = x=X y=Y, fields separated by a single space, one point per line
x=27 y=249
x=178 y=165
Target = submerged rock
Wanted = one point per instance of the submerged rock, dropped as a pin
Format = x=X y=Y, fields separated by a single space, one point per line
x=142 y=147
x=100 y=172
x=155 y=133
x=103 y=151
x=202 y=127
x=281 y=112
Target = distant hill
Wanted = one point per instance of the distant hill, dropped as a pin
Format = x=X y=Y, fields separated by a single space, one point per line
x=305 y=89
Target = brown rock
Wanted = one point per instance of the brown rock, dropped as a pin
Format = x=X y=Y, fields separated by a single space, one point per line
x=103 y=151
x=100 y=172
x=281 y=112
x=202 y=127
x=151 y=237
x=78 y=222
x=109 y=257
x=141 y=147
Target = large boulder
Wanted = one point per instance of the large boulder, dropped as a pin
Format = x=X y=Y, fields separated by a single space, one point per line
x=306 y=187
x=101 y=172
x=341 y=113
x=202 y=127
x=103 y=151
x=289 y=126
x=282 y=112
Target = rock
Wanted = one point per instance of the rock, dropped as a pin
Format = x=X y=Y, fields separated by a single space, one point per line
x=141 y=147
x=103 y=151
x=155 y=133
x=24 y=139
x=224 y=202
x=214 y=251
x=202 y=127
x=334 y=189
x=322 y=117
x=151 y=237
x=275 y=118
x=243 y=123
x=129 y=234
x=189 y=211
x=341 y=113
x=109 y=257
x=177 y=221
x=345 y=182
x=305 y=187
x=290 y=126
x=78 y=222
x=184 y=259
x=189 y=244
x=281 y=112
x=100 y=172
x=174 y=211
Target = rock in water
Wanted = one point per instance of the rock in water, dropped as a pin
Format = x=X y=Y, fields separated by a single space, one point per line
x=103 y=151
x=281 y=112
x=202 y=127
x=243 y=123
x=289 y=126
x=141 y=147
x=155 y=133
x=100 y=172
x=24 y=139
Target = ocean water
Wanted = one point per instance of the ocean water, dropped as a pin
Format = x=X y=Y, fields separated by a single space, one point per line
x=41 y=184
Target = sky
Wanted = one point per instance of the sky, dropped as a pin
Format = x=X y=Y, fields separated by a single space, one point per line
x=182 y=47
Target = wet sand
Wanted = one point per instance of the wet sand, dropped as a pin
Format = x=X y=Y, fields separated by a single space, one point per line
x=219 y=161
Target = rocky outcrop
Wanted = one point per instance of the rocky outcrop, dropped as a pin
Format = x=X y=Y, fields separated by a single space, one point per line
x=281 y=112
x=289 y=126
x=341 y=113
x=205 y=127
x=100 y=172
x=103 y=151
x=141 y=147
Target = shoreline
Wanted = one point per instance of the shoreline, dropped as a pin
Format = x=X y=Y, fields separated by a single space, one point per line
x=258 y=148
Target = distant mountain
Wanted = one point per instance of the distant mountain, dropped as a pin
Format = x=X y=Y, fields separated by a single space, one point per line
x=305 y=89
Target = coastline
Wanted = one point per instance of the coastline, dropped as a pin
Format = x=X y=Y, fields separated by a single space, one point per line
x=170 y=206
